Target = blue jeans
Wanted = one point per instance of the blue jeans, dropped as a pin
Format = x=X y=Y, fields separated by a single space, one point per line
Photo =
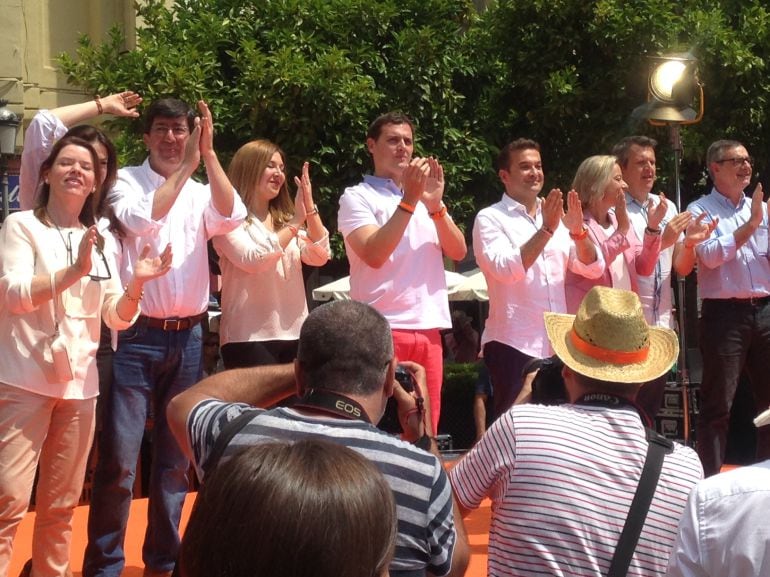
x=151 y=366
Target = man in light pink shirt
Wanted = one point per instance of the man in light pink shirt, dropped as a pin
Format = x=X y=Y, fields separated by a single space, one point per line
x=523 y=246
x=397 y=231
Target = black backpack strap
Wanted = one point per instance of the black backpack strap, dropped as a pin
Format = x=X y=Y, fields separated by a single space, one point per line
x=658 y=447
x=228 y=432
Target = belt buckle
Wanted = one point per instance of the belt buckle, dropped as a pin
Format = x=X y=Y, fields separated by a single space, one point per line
x=172 y=324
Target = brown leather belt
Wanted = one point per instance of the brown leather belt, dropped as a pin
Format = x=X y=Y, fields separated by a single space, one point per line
x=182 y=324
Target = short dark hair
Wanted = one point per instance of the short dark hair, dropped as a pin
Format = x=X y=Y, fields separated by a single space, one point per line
x=716 y=151
x=346 y=347
x=504 y=157
x=168 y=108
x=622 y=148
x=278 y=509
x=394 y=117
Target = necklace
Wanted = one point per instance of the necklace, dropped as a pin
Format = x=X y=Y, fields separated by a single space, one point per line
x=67 y=242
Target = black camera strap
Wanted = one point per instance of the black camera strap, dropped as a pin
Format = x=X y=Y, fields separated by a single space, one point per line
x=333 y=404
x=613 y=402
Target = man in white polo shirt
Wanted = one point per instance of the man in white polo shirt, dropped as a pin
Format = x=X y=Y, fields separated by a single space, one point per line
x=397 y=231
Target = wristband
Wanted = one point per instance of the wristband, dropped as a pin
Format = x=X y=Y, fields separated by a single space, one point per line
x=439 y=214
x=406 y=207
x=312 y=212
x=580 y=236
x=129 y=297
x=98 y=104
x=649 y=230
x=546 y=230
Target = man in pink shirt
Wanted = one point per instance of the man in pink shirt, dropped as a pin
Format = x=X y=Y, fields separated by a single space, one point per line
x=397 y=231
x=523 y=251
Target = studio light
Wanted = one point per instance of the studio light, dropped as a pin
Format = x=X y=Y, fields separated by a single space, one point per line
x=674 y=91
x=674 y=99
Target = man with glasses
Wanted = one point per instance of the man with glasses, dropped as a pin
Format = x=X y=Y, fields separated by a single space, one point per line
x=734 y=283
x=636 y=156
x=158 y=204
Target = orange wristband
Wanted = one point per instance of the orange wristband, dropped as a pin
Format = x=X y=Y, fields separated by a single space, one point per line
x=406 y=207
x=439 y=214
x=580 y=236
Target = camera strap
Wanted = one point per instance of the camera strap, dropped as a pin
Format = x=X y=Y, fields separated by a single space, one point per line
x=332 y=403
x=614 y=402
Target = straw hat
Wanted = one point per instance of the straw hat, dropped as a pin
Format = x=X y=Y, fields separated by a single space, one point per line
x=609 y=339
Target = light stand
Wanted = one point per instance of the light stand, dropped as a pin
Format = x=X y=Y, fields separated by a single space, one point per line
x=673 y=87
x=9 y=124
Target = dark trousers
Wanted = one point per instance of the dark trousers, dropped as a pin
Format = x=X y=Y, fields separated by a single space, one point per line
x=258 y=353
x=650 y=396
x=734 y=335
x=505 y=365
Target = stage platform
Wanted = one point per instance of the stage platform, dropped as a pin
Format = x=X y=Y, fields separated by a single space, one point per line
x=477 y=524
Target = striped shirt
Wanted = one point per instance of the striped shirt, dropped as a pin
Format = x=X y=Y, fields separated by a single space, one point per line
x=561 y=479
x=426 y=531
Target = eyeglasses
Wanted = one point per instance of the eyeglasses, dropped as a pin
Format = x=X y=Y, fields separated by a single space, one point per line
x=162 y=130
x=737 y=160
x=99 y=271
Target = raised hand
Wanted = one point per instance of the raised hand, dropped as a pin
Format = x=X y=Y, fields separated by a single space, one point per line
x=573 y=218
x=303 y=202
x=147 y=267
x=698 y=231
x=192 y=151
x=674 y=228
x=206 y=143
x=621 y=213
x=414 y=180
x=434 y=186
x=552 y=209
x=656 y=212
x=84 y=260
x=122 y=104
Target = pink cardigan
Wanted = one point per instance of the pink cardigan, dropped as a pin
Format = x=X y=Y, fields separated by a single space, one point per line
x=641 y=258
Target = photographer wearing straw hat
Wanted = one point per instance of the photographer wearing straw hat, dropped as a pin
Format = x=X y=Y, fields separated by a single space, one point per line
x=562 y=478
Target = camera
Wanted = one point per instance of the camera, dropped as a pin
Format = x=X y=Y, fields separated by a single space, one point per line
x=405 y=378
x=548 y=386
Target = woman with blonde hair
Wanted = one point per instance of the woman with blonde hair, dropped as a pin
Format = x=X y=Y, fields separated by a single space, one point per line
x=601 y=188
x=263 y=289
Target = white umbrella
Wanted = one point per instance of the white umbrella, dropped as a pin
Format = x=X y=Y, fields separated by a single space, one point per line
x=472 y=288
x=340 y=288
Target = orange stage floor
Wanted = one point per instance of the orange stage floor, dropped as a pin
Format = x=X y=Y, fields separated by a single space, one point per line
x=477 y=525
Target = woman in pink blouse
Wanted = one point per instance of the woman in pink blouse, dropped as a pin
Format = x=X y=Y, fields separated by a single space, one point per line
x=263 y=290
x=600 y=186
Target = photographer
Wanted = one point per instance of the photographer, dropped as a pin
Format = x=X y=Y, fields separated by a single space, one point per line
x=344 y=374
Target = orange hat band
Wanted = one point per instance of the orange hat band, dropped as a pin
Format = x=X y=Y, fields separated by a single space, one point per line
x=608 y=355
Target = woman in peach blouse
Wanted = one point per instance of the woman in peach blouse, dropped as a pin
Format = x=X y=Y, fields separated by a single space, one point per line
x=263 y=289
x=601 y=188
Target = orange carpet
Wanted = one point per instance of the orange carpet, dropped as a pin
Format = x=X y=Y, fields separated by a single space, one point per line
x=477 y=525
